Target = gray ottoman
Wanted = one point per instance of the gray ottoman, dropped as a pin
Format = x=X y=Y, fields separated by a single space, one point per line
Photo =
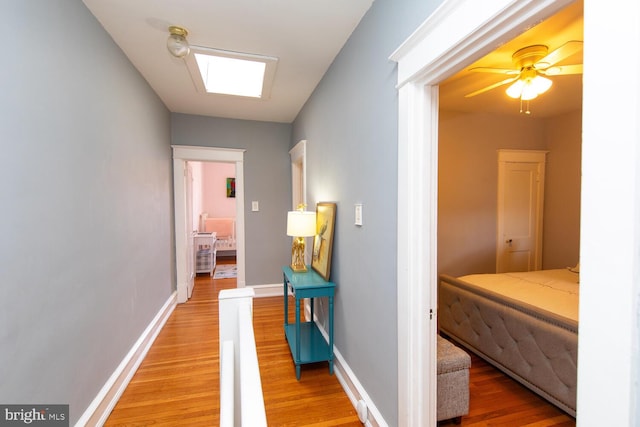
x=453 y=381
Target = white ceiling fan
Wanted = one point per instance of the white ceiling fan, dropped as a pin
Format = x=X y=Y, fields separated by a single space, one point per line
x=531 y=65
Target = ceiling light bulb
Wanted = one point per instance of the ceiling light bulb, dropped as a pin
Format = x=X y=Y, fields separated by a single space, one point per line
x=529 y=88
x=515 y=90
x=528 y=92
x=541 y=84
x=177 y=42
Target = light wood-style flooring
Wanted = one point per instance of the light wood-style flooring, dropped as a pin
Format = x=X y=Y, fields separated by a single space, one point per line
x=177 y=383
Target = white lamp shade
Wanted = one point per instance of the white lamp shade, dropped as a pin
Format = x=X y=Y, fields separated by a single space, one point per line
x=301 y=224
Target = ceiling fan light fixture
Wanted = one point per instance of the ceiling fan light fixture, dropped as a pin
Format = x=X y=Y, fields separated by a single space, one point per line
x=177 y=43
x=529 y=88
x=541 y=84
x=515 y=90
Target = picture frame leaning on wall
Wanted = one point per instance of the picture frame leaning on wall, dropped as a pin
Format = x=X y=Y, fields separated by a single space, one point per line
x=323 y=240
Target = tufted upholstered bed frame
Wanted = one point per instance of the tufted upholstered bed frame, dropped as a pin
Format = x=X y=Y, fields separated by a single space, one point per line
x=535 y=347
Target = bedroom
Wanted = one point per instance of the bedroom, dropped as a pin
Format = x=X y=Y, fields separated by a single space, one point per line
x=213 y=204
x=471 y=130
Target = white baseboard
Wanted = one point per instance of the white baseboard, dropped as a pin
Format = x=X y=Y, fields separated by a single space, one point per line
x=354 y=390
x=100 y=408
x=352 y=387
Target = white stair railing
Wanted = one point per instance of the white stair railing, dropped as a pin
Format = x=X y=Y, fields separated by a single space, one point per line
x=241 y=404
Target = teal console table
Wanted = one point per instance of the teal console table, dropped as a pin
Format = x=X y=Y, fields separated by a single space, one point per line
x=305 y=340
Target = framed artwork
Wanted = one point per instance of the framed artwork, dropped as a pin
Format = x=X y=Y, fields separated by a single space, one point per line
x=231 y=187
x=323 y=240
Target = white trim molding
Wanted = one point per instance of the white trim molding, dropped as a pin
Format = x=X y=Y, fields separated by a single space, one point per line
x=102 y=405
x=182 y=154
x=455 y=35
x=351 y=385
x=298 y=156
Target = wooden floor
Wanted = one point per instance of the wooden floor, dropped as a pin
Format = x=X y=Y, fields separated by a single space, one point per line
x=177 y=383
x=497 y=400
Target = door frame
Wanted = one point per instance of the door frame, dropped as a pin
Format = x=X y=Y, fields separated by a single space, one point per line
x=454 y=36
x=182 y=154
x=298 y=156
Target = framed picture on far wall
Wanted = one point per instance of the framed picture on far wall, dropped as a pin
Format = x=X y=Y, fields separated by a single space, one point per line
x=231 y=187
x=323 y=240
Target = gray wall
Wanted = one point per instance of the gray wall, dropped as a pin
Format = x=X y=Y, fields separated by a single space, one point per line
x=267 y=179
x=350 y=123
x=86 y=221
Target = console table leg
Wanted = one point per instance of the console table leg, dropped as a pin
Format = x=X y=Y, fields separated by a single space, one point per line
x=297 y=355
x=331 y=335
x=286 y=304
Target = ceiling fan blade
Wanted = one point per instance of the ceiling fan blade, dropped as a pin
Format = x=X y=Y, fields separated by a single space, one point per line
x=564 y=51
x=494 y=70
x=563 y=70
x=493 y=86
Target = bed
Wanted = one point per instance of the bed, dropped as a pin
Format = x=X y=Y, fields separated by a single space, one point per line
x=525 y=324
x=225 y=229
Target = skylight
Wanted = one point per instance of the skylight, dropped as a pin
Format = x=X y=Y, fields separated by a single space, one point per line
x=231 y=73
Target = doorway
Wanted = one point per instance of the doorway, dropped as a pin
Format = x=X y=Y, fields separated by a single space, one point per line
x=438 y=49
x=181 y=156
x=298 y=156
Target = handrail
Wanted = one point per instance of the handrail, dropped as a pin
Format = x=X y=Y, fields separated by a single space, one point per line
x=236 y=331
x=227 y=368
x=252 y=401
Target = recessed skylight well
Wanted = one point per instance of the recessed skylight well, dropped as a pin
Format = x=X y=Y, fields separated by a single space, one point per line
x=231 y=73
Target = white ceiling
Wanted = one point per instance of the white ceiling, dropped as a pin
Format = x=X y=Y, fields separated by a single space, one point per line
x=304 y=35
x=565 y=94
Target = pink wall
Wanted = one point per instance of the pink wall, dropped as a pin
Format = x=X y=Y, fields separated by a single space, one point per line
x=214 y=190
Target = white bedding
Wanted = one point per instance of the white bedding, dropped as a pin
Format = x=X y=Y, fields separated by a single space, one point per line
x=556 y=291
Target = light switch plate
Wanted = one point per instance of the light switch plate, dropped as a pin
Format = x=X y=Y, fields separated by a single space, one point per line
x=358 y=220
x=255 y=206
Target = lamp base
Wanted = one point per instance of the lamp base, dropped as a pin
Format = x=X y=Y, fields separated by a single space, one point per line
x=297 y=255
x=299 y=269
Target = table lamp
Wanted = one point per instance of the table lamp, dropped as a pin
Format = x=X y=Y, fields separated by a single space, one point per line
x=300 y=224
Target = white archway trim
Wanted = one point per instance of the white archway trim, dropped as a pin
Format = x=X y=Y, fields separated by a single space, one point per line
x=298 y=156
x=182 y=154
x=455 y=35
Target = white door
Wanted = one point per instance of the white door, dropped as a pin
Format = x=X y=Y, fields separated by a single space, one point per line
x=191 y=273
x=520 y=204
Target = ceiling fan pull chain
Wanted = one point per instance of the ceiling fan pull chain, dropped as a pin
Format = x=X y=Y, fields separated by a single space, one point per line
x=526 y=112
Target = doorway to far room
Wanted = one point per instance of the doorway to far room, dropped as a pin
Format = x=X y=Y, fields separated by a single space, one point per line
x=214 y=211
